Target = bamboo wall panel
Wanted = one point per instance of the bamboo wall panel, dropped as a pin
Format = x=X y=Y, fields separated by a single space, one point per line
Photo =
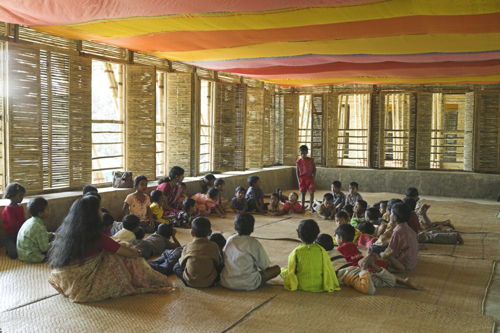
x=225 y=126
x=376 y=130
x=240 y=111
x=254 y=128
x=488 y=145
x=180 y=123
x=423 y=130
x=277 y=128
x=469 y=132
x=331 y=129
x=412 y=133
x=290 y=133
x=80 y=117
x=267 y=131
x=3 y=81
x=24 y=118
x=141 y=120
x=316 y=149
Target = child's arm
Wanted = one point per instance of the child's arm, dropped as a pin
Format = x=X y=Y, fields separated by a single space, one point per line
x=218 y=211
x=314 y=170
x=127 y=251
x=125 y=209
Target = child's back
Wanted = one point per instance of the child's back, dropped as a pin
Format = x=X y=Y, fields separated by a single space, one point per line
x=200 y=260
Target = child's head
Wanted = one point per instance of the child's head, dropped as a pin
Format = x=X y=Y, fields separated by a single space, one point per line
x=240 y=192
x=188 y=205
x=372 y=214
x=183 y=187
x=139 y=233
x=308 y=231
x=131 y=222
x=400 y=212
x=165 y=230
x=140 y=183
x=344 y=233
x=107 y=220
x=366 y=228
x=304 y=150
x=336 y=186
x=213 y=193
x=38 y=207
x=275 y=199
x=15 y=192
x=391 y=203
x=349 y=209
x=253 y=181
x=209 y=179
x=353 y=187
x=218 y=239
x=201 y=227
x=176 y=174
x=293 y=197
x=243 y=224
x=89 y=189
x=326 y=241
x=412 y=203
x=360 y=208
x=383 y=207
x=93 y=194
x=328 y=199
x=156 y=196
x=412 y=192
x=341 y=217
x=219 y=184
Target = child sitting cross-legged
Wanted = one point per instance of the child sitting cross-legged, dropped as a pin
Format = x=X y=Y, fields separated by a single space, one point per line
x=239 y=203
x=326 y=241
x=185 y=216
x=255 y=196
x=246 y=264
x=130 y=226
x=293 y=205
x=157 y=205
x=338 y=195
x=33 y=240
x=359 y=212
x=366 y=239
x=309 y=266
x=200 y=261
x=206 y=203
x=327 y=208
x=156 y=243
x=353 y=195
x=275 y=206
x=137 y=203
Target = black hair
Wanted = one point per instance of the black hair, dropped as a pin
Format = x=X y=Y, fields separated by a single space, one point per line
x=240 y=189
x=201 y=227
x=383 y=203
x=362 y=203
x=326 y=241
x=139 y=179
x=303 y=148
x=182 y=184
x=81 y=228
x=218 y=239
x=210 y=177
x=354 y=184
x=213 y=193
x=252 y=180
x=139 y=233
x=349 y=209
x=294 y=193
x=243 y=224
x=412 y=203
x=328 y=197
x=156 y=196
x=346 y=231
x=308 y=230
x=275 y=195
x=94 y=194
x=337 y=184
x=366 y=228
x=392 y=202
x=342 y=215
x=13 y=189
x=219 y=181
x=372 y=214
x=402 y=212
x=165 y=230
x=89 y=189
x=37 y=205
x=174 y=172
x=411 y=192
x=107 y=219
x=131 y=222
x=188 y=203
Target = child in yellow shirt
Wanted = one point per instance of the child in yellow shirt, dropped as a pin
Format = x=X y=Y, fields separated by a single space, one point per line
x=157 y=206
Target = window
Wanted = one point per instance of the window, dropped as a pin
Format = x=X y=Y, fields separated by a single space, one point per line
x=447 y=135
x=161 y=114
x=353 y=125
x=396 y=130
x=107 y=120
x=311 y=125
x=305 y=118
x=206 y=125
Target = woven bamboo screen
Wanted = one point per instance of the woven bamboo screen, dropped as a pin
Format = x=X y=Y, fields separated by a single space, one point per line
x=240 y=126
x=140 y=120
x=179 y=124
x=31 y=35
x=424 y=130
x=376 y=130
x=290 y=132
x=161 y=122
x=24 y=118
x=487 y=154
x=316 y=149
x=469 y=132
x=254 y=128
x=3 y=80
x=225 y=126
x=331 y=129
x=99 y=49
x=267 y=131
x=278 y=126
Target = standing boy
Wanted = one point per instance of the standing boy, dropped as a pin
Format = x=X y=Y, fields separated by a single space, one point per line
x=306 y=171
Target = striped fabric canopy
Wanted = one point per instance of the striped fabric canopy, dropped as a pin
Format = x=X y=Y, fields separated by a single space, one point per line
x=291 y=42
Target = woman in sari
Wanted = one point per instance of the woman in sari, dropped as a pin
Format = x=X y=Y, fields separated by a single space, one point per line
x=88 y=265
x=171 y=190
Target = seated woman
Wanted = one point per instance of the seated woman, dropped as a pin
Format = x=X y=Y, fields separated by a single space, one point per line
x=88 y=265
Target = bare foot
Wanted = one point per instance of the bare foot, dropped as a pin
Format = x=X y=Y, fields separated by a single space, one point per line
x=408 y=283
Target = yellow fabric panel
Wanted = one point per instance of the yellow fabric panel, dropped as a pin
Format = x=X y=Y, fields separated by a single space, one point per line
x=291 y=17
x=411 y=44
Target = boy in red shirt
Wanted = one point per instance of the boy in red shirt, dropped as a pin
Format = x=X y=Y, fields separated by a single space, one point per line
x=306 y=171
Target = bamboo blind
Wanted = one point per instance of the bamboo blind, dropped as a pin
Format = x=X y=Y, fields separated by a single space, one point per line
x=145 y=59
x=179 y=124
x=141 y=120
x=376 y=130
x=278 y=124
x=240 y=126
x=267 y=132
x=254 y=128
x=161 y=122
x=488 y=126
x=331 y=102
x=290 y=132
x=225 y=126
x=424 y=130
x=31 y=35
x=316 y=149
x=469 y=132
x=99 y=49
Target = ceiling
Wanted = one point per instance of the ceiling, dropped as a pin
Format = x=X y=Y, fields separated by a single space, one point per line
x=291 y=42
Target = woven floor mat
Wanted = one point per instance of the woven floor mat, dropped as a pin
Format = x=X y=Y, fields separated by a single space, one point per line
x=22 y=283
x=476 y=246
x=183 y=310
x=346 y=312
